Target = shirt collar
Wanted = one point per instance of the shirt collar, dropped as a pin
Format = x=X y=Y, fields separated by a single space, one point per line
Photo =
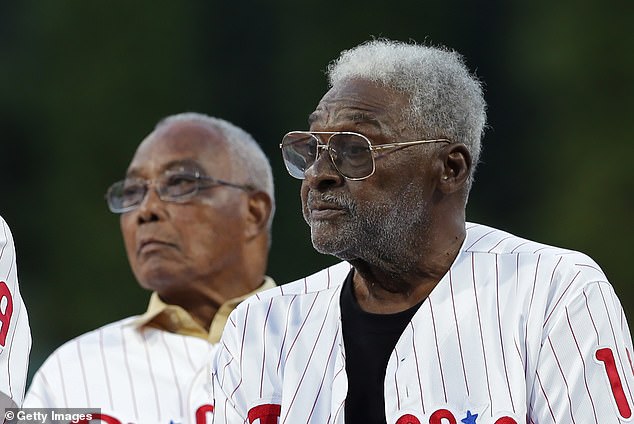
x=175 y=319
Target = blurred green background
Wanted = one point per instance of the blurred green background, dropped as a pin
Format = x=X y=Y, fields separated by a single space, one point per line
x=82 y=82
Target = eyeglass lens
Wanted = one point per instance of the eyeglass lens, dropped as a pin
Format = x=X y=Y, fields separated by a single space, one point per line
x=129 y=193
x=350 y=153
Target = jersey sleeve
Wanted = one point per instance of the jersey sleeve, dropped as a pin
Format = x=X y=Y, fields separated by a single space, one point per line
x=584 y=371
x=15 y=334
x=229 y=399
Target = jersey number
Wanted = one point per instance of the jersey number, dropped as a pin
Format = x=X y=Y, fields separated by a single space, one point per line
x=267 y=413
x=444 y=416
x=606 y=356
x=5 y=316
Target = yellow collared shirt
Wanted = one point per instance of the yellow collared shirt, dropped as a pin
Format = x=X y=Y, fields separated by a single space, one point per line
x=175 y=319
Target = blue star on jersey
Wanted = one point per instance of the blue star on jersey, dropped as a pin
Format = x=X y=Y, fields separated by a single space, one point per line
x=469 y=419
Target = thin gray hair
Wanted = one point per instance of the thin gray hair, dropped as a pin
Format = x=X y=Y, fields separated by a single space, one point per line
x=243 y=149
x=445 y=99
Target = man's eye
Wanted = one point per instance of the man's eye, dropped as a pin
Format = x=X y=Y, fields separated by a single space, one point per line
x=356 y=150
x=179 y=184
x=175 y=180
x=132 y=190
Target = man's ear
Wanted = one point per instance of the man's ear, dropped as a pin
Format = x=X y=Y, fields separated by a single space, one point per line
x=456 y=167
x=260 y=208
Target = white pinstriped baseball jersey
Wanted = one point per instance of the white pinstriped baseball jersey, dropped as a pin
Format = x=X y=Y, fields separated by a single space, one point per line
x=134 y=374
x=15 y=334
x=515 y=332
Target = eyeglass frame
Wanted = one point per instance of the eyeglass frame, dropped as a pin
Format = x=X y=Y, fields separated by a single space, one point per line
x=326 y=146
x=196 y=175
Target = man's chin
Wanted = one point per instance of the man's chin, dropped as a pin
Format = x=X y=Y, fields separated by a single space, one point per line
x=159 y=279
x=334 y=247
x=337 y=238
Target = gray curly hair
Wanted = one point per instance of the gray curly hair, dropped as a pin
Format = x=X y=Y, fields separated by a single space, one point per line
x=446 y=100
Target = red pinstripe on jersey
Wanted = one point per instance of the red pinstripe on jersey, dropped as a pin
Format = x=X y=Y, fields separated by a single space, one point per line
x=63 y=384
x=266 y=320
x=563 y=376
x=282 y=346
x=189 y=355
x=128 y=374
x=433 y=326
x=396 y=385
x=105 y=369
x=152 y=374
x=561 y=296
x=301 y=327
x=497 y=304
x=418 y=371
x=585 y=377
x=83 y=372
x=246 y=318
x=594 y=326
x=479 y=319
x=321 y=384
x=174 y=373
x=544 y=392
x=453 y=308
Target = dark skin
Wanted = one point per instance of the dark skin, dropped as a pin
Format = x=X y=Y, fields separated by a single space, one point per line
x=440 y=173
x=203 y=252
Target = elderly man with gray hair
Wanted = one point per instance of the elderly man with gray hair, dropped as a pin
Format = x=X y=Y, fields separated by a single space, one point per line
x=430 y=319
x=195 y=208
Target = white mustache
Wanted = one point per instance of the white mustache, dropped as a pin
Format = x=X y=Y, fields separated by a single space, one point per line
x=340 y=201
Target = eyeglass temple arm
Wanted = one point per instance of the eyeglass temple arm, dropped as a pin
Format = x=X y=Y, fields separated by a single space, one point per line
x=213 y=181
x=407 y=143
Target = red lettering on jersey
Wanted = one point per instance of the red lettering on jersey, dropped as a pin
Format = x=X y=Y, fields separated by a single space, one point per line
x=408 y=419
x=267 y=413
x=5 y=317
x=505 y=420
x=438 y=416
x=103 y=417
x=201 y=414
x=606 y=356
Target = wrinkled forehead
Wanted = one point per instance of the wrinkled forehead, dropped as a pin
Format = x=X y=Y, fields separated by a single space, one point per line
x=359 y=101
x=189 y=146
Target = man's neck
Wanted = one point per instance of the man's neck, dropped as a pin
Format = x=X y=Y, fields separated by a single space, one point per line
x=381 y=290
x=204 y=302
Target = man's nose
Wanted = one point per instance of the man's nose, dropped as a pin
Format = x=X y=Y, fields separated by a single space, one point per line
x=322 y=173
x=151 y=208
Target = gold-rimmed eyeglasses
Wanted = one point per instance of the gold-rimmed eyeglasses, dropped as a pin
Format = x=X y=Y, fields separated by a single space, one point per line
x=351 y=153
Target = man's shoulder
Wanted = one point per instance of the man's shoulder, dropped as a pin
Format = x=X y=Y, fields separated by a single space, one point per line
x=305 y=291
x=108 y=336
x=482 y=239
x=297 y=310
x=326 y=279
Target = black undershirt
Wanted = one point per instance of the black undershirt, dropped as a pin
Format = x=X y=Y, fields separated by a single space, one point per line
x=369 y=340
